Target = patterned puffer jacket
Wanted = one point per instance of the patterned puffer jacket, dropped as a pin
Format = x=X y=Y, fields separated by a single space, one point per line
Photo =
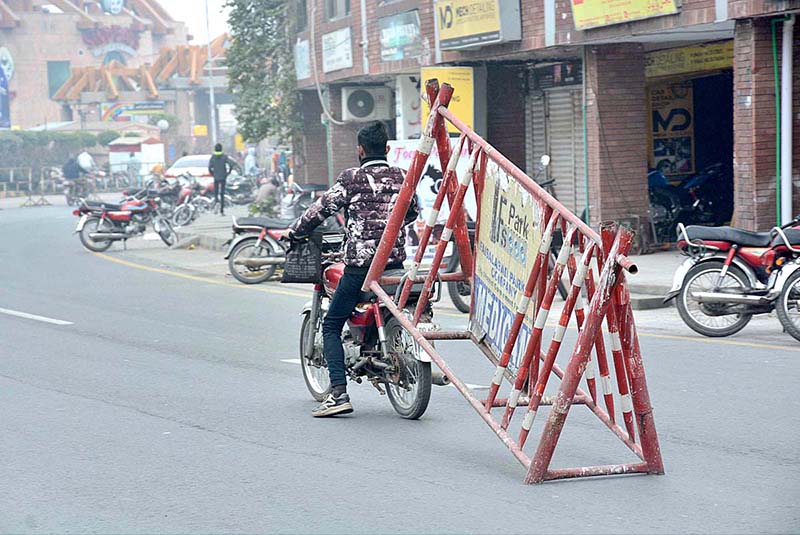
x=368 y=195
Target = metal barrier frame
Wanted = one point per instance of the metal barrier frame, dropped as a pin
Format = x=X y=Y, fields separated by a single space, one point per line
x=608 y=301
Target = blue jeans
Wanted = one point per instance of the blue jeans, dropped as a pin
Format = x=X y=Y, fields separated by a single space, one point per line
x=345 y=299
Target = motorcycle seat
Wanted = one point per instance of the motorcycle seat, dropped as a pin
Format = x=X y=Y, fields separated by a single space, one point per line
x=729 y=234
x=100 y=205
x=263 y=222
x=792 y=234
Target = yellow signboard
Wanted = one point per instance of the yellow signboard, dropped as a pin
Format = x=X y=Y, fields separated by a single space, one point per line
x=594 y=13
x=238 y=143
x=506 y=248
x=689 y=59
x=466 y=23
x=200 y=130
x=671 y=128
x=463 y=102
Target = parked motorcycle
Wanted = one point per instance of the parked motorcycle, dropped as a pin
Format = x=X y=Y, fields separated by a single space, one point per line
x=787 y=305
x=187 y=209
x=730 y=275
x=297 y=198
x=255 y=250
x=241 y=189
x=704 y=199
x=101 y=223
x=377 y=347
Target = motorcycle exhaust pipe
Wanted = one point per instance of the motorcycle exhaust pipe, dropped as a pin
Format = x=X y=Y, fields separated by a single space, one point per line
x=260 y=262
x=732 y=299
x=106 y=236
x=439 y=379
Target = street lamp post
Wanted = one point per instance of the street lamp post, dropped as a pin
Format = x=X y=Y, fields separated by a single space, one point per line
x=211 y=101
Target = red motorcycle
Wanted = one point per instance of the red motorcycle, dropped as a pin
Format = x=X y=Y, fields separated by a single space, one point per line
x=732 y=274
x=101 y=223
x=376 y=346
x=255 y=250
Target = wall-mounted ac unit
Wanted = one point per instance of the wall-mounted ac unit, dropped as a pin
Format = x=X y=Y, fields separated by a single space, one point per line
x=366 y=103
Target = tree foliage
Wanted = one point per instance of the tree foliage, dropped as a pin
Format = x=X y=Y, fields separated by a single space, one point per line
x=260 y=63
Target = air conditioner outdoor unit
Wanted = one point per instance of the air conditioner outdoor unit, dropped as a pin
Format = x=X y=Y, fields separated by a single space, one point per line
x=366 y=103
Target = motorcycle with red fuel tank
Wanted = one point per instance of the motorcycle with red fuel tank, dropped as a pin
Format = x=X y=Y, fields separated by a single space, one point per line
x=377 y=348
x=732 y=274
x=101 y=223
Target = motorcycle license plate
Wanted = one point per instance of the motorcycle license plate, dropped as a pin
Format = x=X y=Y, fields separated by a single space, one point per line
x=81 y=223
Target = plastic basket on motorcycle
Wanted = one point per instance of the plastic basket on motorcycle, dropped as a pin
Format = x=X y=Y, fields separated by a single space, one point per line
x=512 y=295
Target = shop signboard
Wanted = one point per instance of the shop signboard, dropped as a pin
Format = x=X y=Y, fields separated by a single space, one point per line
x=302 y=59
x=671 y=128
x=595 y=13
x=130 y=111
x=508 y=240
x=473 y=23
x=689 y=59
x=5 y=102
x=558 y=75
x=463 y=102
x=200 y=130
x=400 y=36
x=337 y=50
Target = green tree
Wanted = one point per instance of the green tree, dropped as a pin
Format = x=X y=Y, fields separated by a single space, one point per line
x=260 y=63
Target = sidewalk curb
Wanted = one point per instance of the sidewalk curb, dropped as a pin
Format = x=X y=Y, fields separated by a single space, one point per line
x=212 y=243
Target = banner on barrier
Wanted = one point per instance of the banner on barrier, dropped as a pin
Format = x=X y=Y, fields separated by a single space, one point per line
x=509 y=236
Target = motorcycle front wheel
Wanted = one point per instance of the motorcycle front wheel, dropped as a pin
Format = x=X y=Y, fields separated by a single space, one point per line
x=788 y=305
x=315 y=370
x=166 y=232
x=705 y=318
x=93 y=225
x=410 y=397
x=183 y=215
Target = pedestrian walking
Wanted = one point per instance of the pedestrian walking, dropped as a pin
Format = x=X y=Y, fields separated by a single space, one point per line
x=220 y=166
x=134 y=169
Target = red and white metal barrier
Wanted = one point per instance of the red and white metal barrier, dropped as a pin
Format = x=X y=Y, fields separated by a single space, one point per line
x=513 y=292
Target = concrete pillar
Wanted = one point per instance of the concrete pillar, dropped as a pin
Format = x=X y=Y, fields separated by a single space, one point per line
x=617 y=134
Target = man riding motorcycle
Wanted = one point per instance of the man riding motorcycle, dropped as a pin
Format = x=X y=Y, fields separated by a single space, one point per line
x=368 y=194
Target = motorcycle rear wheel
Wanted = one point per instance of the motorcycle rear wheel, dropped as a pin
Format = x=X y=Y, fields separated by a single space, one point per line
x=183 y=215
x=692 y=313
x=246 y=249
x=412 y=402
x=93 y=225
x=317 y=379
x=790 y=299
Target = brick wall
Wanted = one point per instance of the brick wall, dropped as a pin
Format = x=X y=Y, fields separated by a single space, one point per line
x=343 y=137
x=311 y=154
x=506 y=110
x=754 y=125
x=617 y=128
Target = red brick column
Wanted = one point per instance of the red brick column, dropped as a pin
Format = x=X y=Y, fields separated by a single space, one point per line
x=311 y=155
x=754 y=124
x=342 y=137
x=617 y=133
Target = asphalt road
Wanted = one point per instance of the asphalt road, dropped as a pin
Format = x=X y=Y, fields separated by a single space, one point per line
x=167 y=405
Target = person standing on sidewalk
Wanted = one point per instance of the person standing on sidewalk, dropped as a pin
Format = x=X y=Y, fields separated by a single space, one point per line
x=220 y=166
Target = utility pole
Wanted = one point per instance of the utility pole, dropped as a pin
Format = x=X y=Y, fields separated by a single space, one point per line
x=212 y=106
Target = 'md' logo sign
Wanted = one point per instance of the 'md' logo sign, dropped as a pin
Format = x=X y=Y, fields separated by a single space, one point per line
x=474 y=23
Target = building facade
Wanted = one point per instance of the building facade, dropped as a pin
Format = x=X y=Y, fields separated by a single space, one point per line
x=610 y=94
x=43 y=41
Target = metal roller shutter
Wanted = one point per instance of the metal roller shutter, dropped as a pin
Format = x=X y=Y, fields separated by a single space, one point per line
x=565 y=146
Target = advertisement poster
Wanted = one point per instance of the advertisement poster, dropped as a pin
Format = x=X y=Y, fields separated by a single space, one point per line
x=401 y=153
x=302 y=59
x=688 y=59
x=672 y=128
x=463 y=102
x=595 y=13
x=337 y=50
x=130 y=112
x=5 y=102
x=400 y=36
x=507 y=245
x=467 y=23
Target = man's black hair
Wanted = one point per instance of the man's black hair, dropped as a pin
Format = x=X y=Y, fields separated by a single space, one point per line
x=373 y=138
x=218 y=147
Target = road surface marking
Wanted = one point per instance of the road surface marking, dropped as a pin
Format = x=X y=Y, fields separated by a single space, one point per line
x=438 y=312
x=202 y=279
x=33 y=317
x=291 y=361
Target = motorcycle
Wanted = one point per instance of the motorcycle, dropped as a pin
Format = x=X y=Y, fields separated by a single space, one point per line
x=377 y=347
x=186 y=210
x=241 y=189
x=297 y=198
x=730 y=275
x=704 y=199
x=101 y=224
x=255 y=251
x=787 y=306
